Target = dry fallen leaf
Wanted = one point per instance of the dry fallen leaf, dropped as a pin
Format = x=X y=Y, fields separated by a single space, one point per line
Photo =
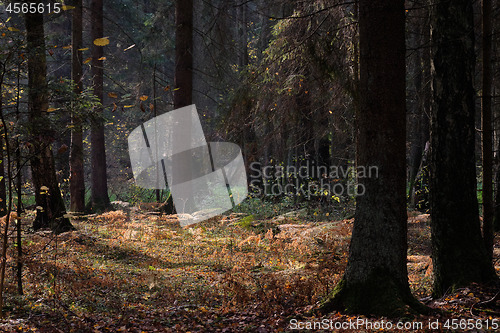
x=101 y=41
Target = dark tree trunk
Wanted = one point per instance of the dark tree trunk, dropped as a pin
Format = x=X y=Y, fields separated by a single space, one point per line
x=100 y=199
x=183 y=81
x=459 y=255
x=420 y=131
x=183 y=93
x=47 y=194
x=496 y=209
x=77 y=177
x=376 y=281
x=3 y=190
x=242 y=36
x=487 y=143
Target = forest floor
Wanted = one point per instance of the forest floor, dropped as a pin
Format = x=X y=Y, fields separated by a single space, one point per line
x=132 y=271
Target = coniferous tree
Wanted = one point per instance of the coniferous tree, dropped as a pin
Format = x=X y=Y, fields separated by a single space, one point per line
x=51 y=210
x=100 y=198
x=77 y=178
x=183 y=93
x=458 y=252
x=376 y=279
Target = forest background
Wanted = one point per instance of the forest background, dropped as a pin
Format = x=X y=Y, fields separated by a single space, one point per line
x=299 y=86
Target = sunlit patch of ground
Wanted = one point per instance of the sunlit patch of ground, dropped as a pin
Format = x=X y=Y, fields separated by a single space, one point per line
x=133 y=271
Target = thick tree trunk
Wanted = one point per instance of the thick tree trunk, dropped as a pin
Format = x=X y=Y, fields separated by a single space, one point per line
x=77 y=177
x=100 y=199
x=459 y=255
x=47 y=194
x=487 y=143
x=376 y=281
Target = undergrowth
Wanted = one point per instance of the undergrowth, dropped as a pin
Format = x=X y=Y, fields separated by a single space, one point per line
x=136 y=271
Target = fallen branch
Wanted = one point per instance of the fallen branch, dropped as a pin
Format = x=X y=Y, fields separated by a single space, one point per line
x=487 y=302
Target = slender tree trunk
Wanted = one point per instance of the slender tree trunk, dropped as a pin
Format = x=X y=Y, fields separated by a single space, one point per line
x=459 y=255
x=183 y=93
x=77 y=177
x=100 y=199
x=3 y=191
x=47 y=193
x=376 y=281
x=496 y=208
x=19 y=243
x=242 y=35
x=158 y=192
x=420 y=130
x=487 y=143
x=19 y=183
x=5 y=235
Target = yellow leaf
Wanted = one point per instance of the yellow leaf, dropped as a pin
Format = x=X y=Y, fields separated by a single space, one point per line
x=143 y=98
x=13 y=29
x=102 y=58
x=87 y=60
x=65 y=7
x=66 y=47
x=128 y=106
x=101 y=41
x=84 y=49
x=51 y=109
x=112 y=95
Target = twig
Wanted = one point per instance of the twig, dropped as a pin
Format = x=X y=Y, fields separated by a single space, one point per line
x=492 y=300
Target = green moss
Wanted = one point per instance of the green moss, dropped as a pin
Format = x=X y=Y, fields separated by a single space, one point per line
x=246 y=222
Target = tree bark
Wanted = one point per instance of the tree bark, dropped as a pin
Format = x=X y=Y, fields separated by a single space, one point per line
x=183 y=92
x=183 y=80
x=100 y=199
x=420 y=131
x=375 y=281
x=459 y=255
x=486 y=124
x=3 y=191
x=77 y=176
x=47 y=194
